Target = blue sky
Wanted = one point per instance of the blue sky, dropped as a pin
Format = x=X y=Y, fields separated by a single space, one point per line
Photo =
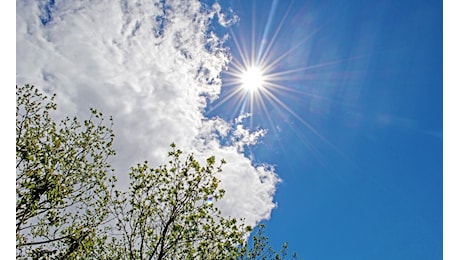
x=350 y=114
x=359 y=141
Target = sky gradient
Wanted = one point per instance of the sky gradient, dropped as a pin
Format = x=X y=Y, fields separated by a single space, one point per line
x=340 y=153
x=357 y=134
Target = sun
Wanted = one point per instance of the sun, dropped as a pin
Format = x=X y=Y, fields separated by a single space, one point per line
x=252 y=79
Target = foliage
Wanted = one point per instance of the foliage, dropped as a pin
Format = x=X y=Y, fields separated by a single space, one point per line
x=166 y=214
x=67 y=206
x=61 y=179
x=259 y=249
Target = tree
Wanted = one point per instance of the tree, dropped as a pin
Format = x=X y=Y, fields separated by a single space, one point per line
x=62 y=179
x=169 y=213
x=67 y=206
x=257 y=248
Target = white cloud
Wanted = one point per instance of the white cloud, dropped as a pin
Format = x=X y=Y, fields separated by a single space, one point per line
x=152 y=66
x=224 y=19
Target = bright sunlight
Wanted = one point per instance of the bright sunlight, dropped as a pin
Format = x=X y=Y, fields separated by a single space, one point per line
x=252 y=79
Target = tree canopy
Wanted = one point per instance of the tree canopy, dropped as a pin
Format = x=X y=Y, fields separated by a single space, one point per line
x=68 y=206
x=62 y=190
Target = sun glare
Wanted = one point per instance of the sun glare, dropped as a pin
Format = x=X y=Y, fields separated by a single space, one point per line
x=257 y=75
x=252 y=79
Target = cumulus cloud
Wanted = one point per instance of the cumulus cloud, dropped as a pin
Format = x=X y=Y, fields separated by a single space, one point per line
x=153 y=66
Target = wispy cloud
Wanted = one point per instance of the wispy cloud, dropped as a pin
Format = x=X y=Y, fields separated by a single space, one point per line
x=154 y=66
